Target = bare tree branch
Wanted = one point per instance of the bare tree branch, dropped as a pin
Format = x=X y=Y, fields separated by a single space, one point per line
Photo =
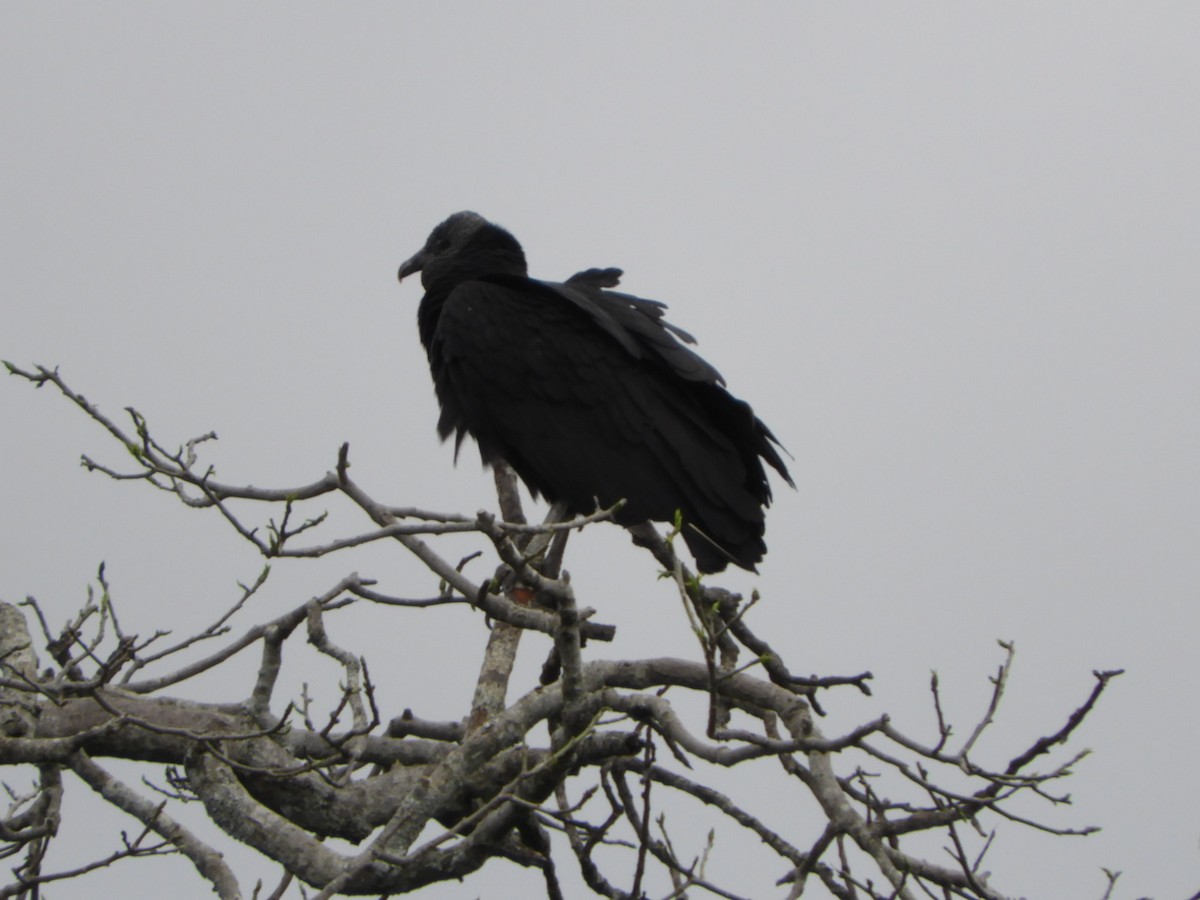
x=423 y=800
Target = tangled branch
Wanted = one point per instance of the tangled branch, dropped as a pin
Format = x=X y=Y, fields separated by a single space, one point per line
x=580 y=766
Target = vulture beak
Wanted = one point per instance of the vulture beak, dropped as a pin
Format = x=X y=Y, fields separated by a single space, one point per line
x=412 y=265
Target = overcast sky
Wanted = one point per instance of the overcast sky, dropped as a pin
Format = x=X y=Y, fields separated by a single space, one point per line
x=947 y=250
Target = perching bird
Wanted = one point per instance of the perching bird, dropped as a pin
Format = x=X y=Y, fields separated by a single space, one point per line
x=588 y=394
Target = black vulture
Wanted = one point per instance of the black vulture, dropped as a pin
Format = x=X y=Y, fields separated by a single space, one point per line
x=589 y=394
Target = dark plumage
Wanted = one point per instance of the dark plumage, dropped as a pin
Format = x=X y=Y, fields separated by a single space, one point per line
x=589 y=393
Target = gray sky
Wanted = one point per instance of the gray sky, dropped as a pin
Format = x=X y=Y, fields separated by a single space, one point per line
x=947 y=250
